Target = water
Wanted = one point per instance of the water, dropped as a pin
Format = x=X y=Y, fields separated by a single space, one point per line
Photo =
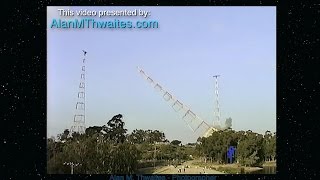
x=266 y=170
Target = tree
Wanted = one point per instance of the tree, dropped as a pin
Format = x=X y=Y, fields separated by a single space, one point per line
x=124 y=159
x=102 y=149
x=250 y=149
x=176 y=142
x=156 y=136
x=137 y=136
x=64 y=136
x=269 y=146
x=149 y=136
x=273 y=142
x=117 y=132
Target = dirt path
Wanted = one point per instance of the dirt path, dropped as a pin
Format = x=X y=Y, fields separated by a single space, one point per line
x=192 y=169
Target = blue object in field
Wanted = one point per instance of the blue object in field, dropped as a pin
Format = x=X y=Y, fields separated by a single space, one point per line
x=230 y=153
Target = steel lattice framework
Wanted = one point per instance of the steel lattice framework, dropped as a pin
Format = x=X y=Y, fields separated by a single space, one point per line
x=195 y=123
x=79 y=118
x=216 y=121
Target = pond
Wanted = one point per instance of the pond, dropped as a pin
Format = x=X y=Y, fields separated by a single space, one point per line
x=266 y=170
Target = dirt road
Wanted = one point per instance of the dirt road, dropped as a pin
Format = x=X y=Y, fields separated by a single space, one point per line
x=188 y=167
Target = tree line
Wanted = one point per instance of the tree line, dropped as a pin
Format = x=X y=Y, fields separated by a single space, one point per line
x=109 y=149
x=101 y=149
x=252 y=149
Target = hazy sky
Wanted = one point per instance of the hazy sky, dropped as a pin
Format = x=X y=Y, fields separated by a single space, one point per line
x=190 y=45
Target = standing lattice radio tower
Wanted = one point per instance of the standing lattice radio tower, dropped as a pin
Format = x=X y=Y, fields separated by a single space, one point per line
x=216 y=121
x=80 y=114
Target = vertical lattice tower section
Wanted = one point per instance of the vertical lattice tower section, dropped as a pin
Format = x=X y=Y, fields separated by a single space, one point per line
x=80 y=113
x=216 y=121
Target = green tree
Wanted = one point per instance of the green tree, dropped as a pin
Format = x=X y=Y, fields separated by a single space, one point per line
x=64 y=136
x=250 y=150
x=102 y=149
x=117 y=132
x=176 y=142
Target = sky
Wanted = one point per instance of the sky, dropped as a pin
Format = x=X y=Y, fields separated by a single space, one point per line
x=190 y=46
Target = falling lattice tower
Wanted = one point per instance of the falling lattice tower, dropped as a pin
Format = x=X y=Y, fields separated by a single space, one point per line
x=80 y=113
x=195 y=123
x=216 y=121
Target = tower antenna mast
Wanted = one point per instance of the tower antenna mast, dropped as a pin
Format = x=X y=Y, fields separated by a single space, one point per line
x=80 y=115
x=195 y=123
x=216 y=121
